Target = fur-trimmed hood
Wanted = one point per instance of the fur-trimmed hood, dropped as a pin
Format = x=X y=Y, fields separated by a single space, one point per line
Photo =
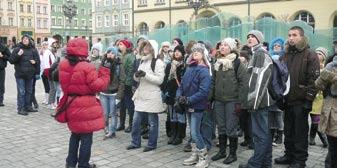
x=301 y=46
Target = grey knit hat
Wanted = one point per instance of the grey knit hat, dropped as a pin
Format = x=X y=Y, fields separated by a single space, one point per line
x=257 y=34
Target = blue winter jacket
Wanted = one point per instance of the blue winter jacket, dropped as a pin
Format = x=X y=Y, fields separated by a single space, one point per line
x=195 y=85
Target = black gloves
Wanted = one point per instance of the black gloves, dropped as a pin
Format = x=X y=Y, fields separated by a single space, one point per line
x=140 y=73
x=183 y=100
x=181 y=104
x=106 y=64
x=307 y=106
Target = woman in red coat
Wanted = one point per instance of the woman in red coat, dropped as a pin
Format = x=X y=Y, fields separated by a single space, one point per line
x=80 y=82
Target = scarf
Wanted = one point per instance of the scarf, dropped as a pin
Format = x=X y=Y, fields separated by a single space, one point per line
x=173 y=70
x=146 y=57
x=226 y=62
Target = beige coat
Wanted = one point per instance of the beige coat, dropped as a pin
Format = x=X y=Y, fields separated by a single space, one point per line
x=147 y=97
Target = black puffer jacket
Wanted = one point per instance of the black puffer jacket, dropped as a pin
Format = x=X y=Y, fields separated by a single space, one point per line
x=22 y=64
x=6 y=54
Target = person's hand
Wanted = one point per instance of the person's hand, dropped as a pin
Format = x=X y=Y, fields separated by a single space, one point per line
x=20 y=52
x=178 y=108
x=1 y=55
x=140 y=73
x=182 y=100
x=106 y=64
x=32 y=62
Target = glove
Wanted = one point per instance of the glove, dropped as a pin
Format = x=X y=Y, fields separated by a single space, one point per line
x=106 y=64
x=307 y=106
x=140 y=74
x=237 y=108
x=178 y=108
x=182 y=100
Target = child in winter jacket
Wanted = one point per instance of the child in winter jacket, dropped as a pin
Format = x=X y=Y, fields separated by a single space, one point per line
x=192 y=97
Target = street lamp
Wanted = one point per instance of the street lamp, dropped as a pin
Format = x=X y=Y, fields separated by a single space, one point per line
x=69 y=10
x=197 y=4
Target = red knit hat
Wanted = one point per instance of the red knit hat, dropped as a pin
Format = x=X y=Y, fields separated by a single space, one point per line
x=126 y=43
x=77 y=47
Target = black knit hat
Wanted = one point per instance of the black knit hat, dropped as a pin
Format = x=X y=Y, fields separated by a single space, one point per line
x=179 y=41
x=181 y=49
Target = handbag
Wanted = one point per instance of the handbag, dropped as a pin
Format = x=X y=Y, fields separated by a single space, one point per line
x=61 y=114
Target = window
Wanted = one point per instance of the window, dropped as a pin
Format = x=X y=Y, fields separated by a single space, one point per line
x=59 y=21
x=83 y=11
x=143 y=29
x=38 y=10
x=0 y=5
x=10 y=21
x=29 y=8
x=45 y=23
x=107 y=2
x=142 y=2
x=115 y=20
x=29 y=22
x=90 y=23
x=38 y=24
x=114 y=2
x=21 y=7
x=160 y=2
x=89 y=12
x=98 y=3
x=53 y=22
x=44 y=10
x=99 y=21
x=75 y=23
x=0 y=21
x=125 y=1
x=126 y=19
x=52 y=8
x=107 y=21
x=306 y=17
x=59 y=9
x=159 y=25
x=10 y=6
x=83 y=23
x=235 y=27
x=22 y=22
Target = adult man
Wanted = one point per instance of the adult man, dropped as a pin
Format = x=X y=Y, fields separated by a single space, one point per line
x=4 y=54
x=259 y=101
x=27 y=64
x=303 y=65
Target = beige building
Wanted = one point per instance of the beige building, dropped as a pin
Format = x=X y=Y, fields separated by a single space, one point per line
x=153 y=14
x=25 y=11
x=8 y=20
x=42 y=20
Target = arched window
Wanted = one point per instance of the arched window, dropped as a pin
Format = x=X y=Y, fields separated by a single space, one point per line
x=266 y=15
x=234 y=27
x=159 y=25
x=182 y=28
x=143 y=29
x=335 y=28
x=306 y=17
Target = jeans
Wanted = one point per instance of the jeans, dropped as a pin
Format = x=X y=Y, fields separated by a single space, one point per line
x=262 y=139
x=2 y=84
x=195 y=119
x=45 y=83
x=127 y=103
x=176 y=117
x=136 y=129
x=24 y=89
x=332 y=158
x=245 y=124
x=207 y=128
x=109 y=107
x=52 y=92
x=226 y=118
x=296 y=129
x=276 y=118
x=84 y=153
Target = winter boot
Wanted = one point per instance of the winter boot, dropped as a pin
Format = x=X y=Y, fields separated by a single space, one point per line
x=180 y=133
x=279 y=138
x=174 y=132
x=203 y=161
x=233 y=145
x=323 y=139
x=222 y=148
x=187 y=147
x=168 y=128
x=272 y=133
x=193 y=159
x=313 y=131
x=46 y=99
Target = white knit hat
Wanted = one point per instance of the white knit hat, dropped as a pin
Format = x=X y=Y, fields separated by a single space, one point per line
x=230 y=42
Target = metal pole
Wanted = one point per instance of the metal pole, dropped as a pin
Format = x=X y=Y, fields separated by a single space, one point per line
x=133 y=19
x=170 y=19
x=248 y=10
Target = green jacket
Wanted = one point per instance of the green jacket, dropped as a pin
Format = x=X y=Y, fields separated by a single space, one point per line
x=128 y=61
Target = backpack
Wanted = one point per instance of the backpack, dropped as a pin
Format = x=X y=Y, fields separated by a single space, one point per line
x=279 y=85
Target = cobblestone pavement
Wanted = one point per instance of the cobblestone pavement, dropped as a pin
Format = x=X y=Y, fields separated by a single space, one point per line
x=38 y=141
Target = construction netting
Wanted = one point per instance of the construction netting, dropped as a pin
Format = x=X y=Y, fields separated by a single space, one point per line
x=213 y=29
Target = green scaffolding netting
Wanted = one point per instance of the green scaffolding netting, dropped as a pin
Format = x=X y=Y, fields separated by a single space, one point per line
x=217 y=27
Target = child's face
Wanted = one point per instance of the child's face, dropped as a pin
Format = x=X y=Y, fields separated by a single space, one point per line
x=177 y=54
x=224 y=49
x=110 y=55
x=277 y=47
x=147 y=49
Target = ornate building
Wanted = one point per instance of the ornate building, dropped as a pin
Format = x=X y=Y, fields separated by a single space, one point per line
x=8 y=20
x=42 y=20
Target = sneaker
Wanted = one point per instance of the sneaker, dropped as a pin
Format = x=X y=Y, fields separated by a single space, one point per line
x=130 y=147
x=147 y=149
x=22 y=112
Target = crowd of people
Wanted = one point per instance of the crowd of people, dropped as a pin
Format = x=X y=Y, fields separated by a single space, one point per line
x=262 y=91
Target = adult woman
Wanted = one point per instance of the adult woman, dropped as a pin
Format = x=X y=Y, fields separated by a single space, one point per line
x=80 y=82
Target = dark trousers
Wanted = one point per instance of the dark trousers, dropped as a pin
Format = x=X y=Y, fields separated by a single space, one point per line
x=24 y=89
x=45 y=83
x=2 y=84
x=262 y=139
x=84 y=152
x=246 y=125
x=296 y=129
x=127 y=104
x=33 y=98
x=332 y=154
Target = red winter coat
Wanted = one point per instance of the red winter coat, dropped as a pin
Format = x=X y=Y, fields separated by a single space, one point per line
x=84 y=114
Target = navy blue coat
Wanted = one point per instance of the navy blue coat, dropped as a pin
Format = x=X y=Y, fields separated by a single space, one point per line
x=195 y=85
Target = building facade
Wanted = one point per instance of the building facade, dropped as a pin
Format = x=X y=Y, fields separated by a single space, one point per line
x=25 y=18
x=112 y=18
x=8 y=20
x=79 y=26
x=42 y=20
x=155 y=14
